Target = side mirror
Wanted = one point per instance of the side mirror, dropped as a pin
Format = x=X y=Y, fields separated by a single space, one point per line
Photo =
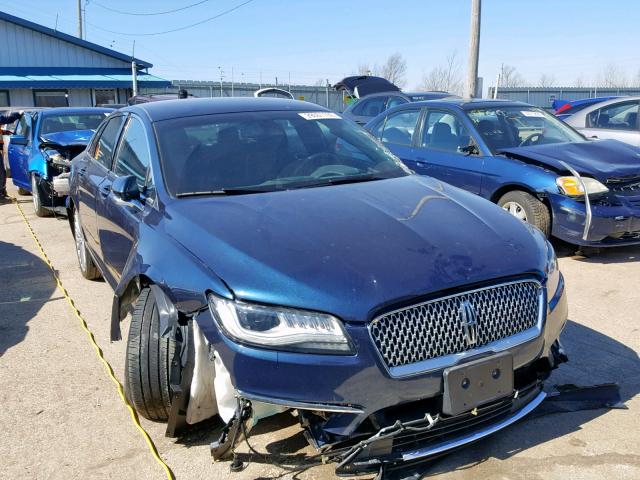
x=19 y=140
x=126 y=188
x=469 y=149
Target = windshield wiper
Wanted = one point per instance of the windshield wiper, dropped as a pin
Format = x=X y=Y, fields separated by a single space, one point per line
x=226 y=191
x=345 y=180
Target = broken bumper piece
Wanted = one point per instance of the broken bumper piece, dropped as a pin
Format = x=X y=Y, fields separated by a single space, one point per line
x=415 y=441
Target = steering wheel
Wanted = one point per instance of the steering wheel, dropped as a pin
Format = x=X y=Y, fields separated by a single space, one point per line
x=529 y=140
x=314 y=162
x=333 y=171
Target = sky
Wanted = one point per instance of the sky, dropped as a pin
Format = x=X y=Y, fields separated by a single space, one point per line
x=308 y=41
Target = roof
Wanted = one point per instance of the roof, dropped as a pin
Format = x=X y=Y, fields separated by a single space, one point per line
x=71 y=39
x=158 y=111
x=469 y=103
x=73 y=110
x=68 y=77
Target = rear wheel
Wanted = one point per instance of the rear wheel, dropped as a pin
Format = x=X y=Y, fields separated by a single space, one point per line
x=35 y=195
x=527 y=208
x=148 y=363
x=85 y=261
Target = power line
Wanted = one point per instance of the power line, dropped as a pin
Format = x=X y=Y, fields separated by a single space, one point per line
x=123 y=12
x=175 y=29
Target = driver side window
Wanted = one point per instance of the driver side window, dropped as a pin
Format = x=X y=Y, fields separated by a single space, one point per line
x=445 y=132
x=133 y=155
x=23 y=127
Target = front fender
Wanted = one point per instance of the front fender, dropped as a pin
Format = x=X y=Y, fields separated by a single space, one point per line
x=38 y=164
x=161 y=261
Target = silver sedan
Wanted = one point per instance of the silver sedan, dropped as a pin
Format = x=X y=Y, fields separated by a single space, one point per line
x=616 y=118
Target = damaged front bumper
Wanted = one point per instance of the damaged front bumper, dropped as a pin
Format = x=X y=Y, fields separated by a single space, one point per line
x=611 y=221
x=342 y=401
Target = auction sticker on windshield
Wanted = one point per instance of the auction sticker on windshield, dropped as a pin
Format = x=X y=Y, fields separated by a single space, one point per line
x=318 y=115
x=529 y=113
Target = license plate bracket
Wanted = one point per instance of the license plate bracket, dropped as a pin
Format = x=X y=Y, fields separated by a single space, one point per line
x=475 y=383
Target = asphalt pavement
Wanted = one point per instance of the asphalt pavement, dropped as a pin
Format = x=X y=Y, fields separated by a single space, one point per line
x=62 y=418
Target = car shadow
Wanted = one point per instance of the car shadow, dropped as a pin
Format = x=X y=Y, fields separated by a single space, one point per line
x=27 y=285
x=597 y=255
x=594 y=358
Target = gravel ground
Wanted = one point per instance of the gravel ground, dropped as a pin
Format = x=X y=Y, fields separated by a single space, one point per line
x=62 y=417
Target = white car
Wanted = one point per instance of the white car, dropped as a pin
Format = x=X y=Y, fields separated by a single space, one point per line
x=616 y=118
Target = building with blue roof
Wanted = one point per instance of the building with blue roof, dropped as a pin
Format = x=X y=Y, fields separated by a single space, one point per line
x=42 y=67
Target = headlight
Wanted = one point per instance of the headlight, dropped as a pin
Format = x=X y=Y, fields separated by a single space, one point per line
x=552 y=271
x=280 y=328
x=571 y=186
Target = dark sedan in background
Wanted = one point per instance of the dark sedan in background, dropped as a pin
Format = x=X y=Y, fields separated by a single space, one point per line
x=374 y=95
x=277 y=248
x=525 y=160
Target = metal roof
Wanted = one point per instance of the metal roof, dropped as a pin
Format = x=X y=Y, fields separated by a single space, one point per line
x=46 y=77
x=71 y=39
x=167 y=109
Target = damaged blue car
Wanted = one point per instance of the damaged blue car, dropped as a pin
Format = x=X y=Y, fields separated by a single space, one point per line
x=41 y=149
x=525 y=160
x=273 y=256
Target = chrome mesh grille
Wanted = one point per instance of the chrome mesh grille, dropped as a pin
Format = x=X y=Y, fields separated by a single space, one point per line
x=434 y=329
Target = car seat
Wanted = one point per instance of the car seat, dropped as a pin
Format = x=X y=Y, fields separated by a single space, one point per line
x=631 y=119
x=442 y=138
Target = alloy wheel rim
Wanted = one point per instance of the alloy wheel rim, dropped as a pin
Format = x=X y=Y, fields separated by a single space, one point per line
x=80 y=250
x=516 y=210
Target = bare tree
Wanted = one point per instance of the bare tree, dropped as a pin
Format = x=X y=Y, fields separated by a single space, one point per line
x=447 y=77
x=546 y=81
x=394 y=69
x=612 y=77
x=578 y=82
x=366 y=69
x=509 y=77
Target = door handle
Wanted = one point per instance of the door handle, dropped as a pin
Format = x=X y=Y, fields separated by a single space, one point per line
x=104 y=191
x=81 y=171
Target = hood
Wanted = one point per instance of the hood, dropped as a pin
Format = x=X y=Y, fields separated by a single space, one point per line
x=354 y=249
x=362 y=85
x=71 y=137
x=600 y=159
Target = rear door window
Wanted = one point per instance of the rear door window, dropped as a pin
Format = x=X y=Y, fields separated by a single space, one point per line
x=400 y=126
x=619 y=116
x=370 y=107
x=395 y=101
x=106 y=143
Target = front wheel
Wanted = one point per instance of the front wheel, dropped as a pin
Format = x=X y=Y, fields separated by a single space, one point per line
x=37 y=200
x=148 y=363
x=527 y=208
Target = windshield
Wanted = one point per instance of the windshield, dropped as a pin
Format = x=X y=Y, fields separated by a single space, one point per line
x=254 y=152
x=71 y=122
x=514 y=126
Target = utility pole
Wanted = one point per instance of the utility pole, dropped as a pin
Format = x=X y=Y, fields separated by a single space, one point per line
x=328 y=84
x=221 y=72
x=134 y=71
x=80 y=19
x=474 y=49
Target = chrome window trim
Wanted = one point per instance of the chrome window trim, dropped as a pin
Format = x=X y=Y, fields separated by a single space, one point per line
x=439 y=363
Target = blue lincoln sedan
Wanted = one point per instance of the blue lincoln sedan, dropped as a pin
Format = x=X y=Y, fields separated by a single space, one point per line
x=274 y=256
x=525 y=160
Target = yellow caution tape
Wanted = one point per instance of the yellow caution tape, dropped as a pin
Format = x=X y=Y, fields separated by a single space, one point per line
x=85 y=327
